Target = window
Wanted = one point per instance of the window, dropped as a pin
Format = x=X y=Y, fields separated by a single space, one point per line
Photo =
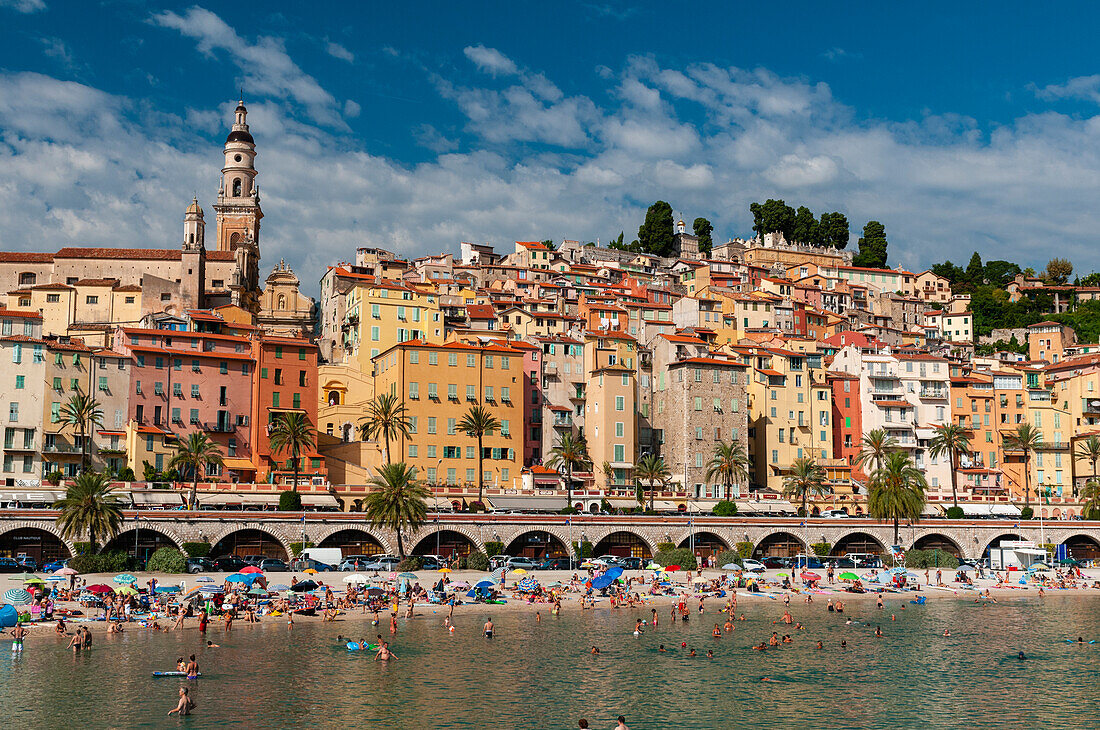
x=375 y=334
x=278 y=376
x=452 y=391
x=450 y=427
x=301 y=353
x=19 y=381
x=103 y=384
x=471 y=360
x=13 y=411
x=619 y=429
x=158 y=388
x=471 y=392
x=91 y=299
x=279 y=352
x=620 y=405
x=275 y=399
x=504 y=428
x=620 y=452
x=194 y=390
x=452 y=359
x=506 y=394
x=433 y=358
x=223 y=367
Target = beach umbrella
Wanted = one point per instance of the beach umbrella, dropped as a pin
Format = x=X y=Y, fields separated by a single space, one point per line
x=239 y=578
x=310 y=571
x=700 y=579
x=35 y=581
x=783 y=575
x=17 y=596
x=22 y=577
x=849 y=576
x=204 y=579
x=445 y=570
x=672 y=568
x=303 y=586
x=212 y=590
x=458 y=584
x=731 y=566
x=192 y=593
x=168 y=589
x=125 y=578
x=809 y=575
x=375 y=592
x=65 y=571
x=129 y=590
x=964 y=568
x=520 y=571
x=408 y=576
x=280 y=587
x=100 y=588
x=484 y=583
x=250 y=569
x=55 y=578
x=257 y=592
x=528 y=584
x=652 y=566
x=356 y=578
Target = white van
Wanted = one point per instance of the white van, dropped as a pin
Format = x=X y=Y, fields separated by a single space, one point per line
x=328 y=556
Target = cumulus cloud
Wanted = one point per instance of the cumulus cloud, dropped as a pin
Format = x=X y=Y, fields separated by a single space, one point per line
x=24 y=6
x=1080 y=87
x=491 y=61
x=338 y=51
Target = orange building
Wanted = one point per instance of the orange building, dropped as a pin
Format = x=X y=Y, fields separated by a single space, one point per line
x=847 y=418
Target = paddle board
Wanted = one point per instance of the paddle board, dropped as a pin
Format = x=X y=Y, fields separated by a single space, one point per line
x=172 y=674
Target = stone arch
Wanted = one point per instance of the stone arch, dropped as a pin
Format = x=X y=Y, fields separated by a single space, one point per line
x=21 y=541
x=1082 y=547
x=49 y=527
x=937 y=541
x=858 y=541
x=341 y=536
x=997 y=540
x=238 y=544
x=780 y=544
x=149 y=539
x=706 y=543
x=623 y=543
x=452 y=541
x=537 y=544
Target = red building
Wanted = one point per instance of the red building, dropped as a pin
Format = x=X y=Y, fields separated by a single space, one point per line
x=847 y=418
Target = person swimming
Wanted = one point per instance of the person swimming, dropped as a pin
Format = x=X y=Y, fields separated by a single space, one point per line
x=1020 y=656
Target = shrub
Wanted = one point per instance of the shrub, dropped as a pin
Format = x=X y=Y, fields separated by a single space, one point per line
x=821 y=549
x=583 y=549
x=568 y=511
x=606 y=507
x=196 y=549
x=1091 y=514
x=744 y=550
x=728 y=556
x=290 y=501
x=410 y=563
x=725 y=508
x=476 y=506
x=296 y=548
x=955 y=513
x=494 y=548
x=930 y=559
x=1027 y=513
x=126 y=474
x=477 y=561
x=113 y=562
x=167 y=560
x=54 y=477
x=675 y=556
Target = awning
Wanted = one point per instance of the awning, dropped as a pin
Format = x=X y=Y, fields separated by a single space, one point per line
x=319 y=500
x=626 y=503
x=112 y=433
x=37 y=497
x=438 y=502
x=528 y=502
x=235 y=498
x=768 y=507
x=989 y=510
x=232 y=462
x=664 y=505
x=622 y=465
x=157 y=497
x=931 y=510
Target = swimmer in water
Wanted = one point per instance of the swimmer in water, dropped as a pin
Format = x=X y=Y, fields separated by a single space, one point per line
x=662 y=648
x=1021 y=656
x=717 y=633
x=186 y=704
x=710 y=653
x=820 y=645
x=947 y=632
x=692 y=652
x=595 y=650
x=384 y=654
x=762 y=647
x=878 y=631
x=212 y=645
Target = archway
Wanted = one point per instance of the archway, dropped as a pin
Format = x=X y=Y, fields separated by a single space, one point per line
x=40 y=546
x=938 y=542
x=705 y=544
x=249 y=542
x=779 y=545
x=353 y=542
x=858 y=542
x=537 y=544
x=997 y=541
x=1082 y=547
x=622 y=544
x=448 y=543
x=140 y=543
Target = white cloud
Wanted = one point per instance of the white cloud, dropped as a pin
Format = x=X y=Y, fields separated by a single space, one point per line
x=338 y=51
x=57 y=49
x=24 y=6
x=352 y=109
x=1080 y=87
x=491 y=61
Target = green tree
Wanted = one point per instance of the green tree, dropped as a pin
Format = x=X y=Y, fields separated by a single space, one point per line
x=950 y=440
x=773 y=216
x=386 y=417
x=872 y=246
x=974 y=270
x=1058 y=270
x=896 y=491
x=90 y=507
x=617 y=243
x=195 y=453
x=833 y=230
x=651 y=469
x=655 y=234
x=1000 y=273
x=806 y=478
x=949 y=271
x=1088 y=449
x=83 y=413
x=572 y=453
x=398 y=501
x=730 y=463
x=1090 y=497
x=291 y=431
x=478 y=423
x=875 y=446
x=702 y=229
x=805 y=228
x=1026 y=438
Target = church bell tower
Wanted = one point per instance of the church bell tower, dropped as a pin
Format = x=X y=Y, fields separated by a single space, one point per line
x=238 y=210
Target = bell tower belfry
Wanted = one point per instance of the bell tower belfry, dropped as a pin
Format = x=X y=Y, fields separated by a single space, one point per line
x=238 y=210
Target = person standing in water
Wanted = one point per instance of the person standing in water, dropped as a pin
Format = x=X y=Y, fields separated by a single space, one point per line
x=186 y=704
x=489 y=628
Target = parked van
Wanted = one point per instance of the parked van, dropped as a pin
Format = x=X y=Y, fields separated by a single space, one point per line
x=329 y=556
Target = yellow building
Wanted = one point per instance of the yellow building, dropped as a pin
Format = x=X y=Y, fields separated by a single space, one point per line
x=439 y=384
x=609 y=422
x=382 y=314
x=87 y=308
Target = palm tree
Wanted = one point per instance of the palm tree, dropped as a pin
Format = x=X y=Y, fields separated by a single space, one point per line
x=652 y=469
x=386 y=417
x=950 y=441
x=572 y=453
x=896 y=490
x=730 y=463
x=876 y=445
x=1088 y=449
x=291 y=430
x=1025 y=438
x=1090 y=496
x=477 y=423
x=807 y=477
x=82 y=412
x=91 y=506
x=398 y=501
x=196 y=451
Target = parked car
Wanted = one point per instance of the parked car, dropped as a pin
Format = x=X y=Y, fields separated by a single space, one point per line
x=355 y=562
x=55 y=565
x=431 y=562
x=384 y=562
x=776 y=563
x=28 y=564
x=554 y=564
x=803 y=562
x=610 y=559
x=229 y=563
x=200 y=565
x=518 y=563
x=273 y=565
x=753 y=566
x=310 y=563
x=631 y=563
x=844 y=563
x=497 y=561
x=835 y=513
x=9 y=565
x=253 y=559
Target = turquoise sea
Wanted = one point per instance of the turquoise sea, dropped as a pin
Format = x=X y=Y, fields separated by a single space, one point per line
x=541 y=675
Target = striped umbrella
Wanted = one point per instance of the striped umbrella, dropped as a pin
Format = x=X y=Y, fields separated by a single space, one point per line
x=125 y=578
x=17 y=595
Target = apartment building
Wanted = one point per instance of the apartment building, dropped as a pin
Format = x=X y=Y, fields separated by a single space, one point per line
x=22 y=371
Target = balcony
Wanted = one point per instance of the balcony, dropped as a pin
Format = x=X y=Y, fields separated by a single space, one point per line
x=934 y=393
x=65 y=449
x=219 y=427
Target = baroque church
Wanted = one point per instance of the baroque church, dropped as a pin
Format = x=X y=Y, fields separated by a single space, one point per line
x=81 y=291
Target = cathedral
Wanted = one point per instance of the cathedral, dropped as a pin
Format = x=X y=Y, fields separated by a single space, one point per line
x=80 y=290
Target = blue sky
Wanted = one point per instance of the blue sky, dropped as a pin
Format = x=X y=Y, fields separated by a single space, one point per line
x=416 y=126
